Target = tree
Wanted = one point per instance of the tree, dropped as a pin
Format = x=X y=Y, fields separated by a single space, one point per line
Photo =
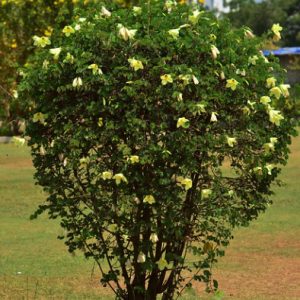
x=155 y=131
x=260 y=17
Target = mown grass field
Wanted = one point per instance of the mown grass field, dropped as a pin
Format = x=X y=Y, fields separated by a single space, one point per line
x=262 y=263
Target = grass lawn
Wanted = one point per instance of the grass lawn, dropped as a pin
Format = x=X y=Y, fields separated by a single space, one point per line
x=263 y=261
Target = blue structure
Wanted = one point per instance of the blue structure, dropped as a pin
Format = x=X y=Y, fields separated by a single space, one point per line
x=289 y=58
x=283 y=51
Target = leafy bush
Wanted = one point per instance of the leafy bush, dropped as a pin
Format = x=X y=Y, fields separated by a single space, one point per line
x=155 y=131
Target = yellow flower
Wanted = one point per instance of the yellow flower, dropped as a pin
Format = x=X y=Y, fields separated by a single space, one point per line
x=137 y=10
x=269 y=147
x=39 y=117
x=270 y=82
x=149 y=199
x=187 y=183
x=112 y=228
x=100 y=122
x=69 y=58
x=185 y=78
x=41 y=41
x=231 y=141
x=68 y=30
x=195 y=79
x=119 y=178
x=183 y=122
x=273 y=140
x=232 y=84
x=214 y=52
x=174 y=33
x=206 y=193
x=134 y=159
x=153 y=238
x=45 y=64
x=285 y=90
x=107 y=175
x=269 y=168
x=42 y=151
x=213 y=117
x=77 y=82
x=105 y=13
x=249 y=34
x=258 y=170
x=125 y=33
x=194 y=18
x=55 y=52
x=276 y=28
x=265 y=100
x=275 y=91
x=95 y=69
x=275 y=117
x=166 y=78
x=162 y=264
x=135 y=64
x=252 y=60
x=141 y=258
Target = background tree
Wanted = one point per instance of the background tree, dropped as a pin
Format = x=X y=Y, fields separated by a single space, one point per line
x=260 y=17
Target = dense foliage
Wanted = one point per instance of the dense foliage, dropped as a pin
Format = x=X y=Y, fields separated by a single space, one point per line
x=155 y=131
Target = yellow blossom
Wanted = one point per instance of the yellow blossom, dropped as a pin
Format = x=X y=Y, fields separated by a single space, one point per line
x=105 y=13
x=275 y=117
x=269 y=168
x=95 y=69
x=39 y=117
x=166 y=78
x=125 y=33
x=252 y=60
x=187 y=183
x=174 y=33
x=206 y=193
x=149 y=199
x=68 y=30
x=153 y=238
x=269 y=147
x=135 y=64
x=69 y=58
x=55 y=52
x=232 y=84
x=285 y=90
x=119 y=178
x=134 y=159
x=213 y=117
x=137 y=10
x=265 y=100
x=276 y=28
x=214 y=52
x=107 y=175
x=162 y=264
x=275 y=91
x=231 y=141
x=141 y=258
x=195 y=79
x=41 y=41
x=270 y=82
x=100 y=122
x=274 y=140
x=77 y=82
x=112 y=228
x=194 y=18
x=183 y=122
x=258 y=170
x=249 y=34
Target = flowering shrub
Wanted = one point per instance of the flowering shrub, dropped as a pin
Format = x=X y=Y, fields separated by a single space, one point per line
x=155 y=131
